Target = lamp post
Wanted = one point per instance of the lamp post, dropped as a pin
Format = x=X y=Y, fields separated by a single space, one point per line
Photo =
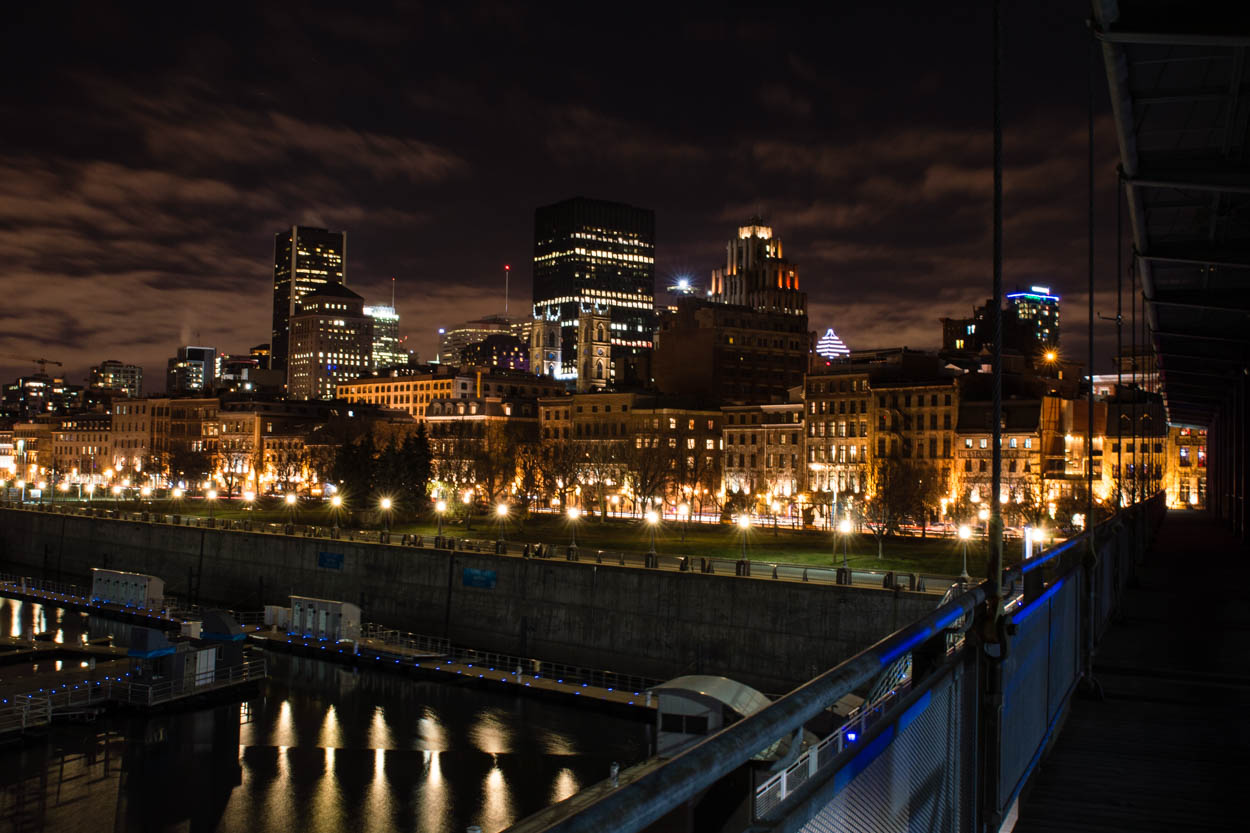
x=683 y=512
x=292 y=504
x=385 y=504
x=145 y=493
x=211 y=497
x=652 y=519
x=574 y=514
x=776 y=507
x=439 y=508
x=501 y=517
x=965 y=532
x=468 y=509
x=117 y=497
x=744 y=525
x=844 y=527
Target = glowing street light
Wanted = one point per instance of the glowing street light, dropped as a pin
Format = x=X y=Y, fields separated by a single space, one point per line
x=211 y=497
x=291 y=498
x=652 y=519
x=439 y=508
x=683 y=512
x=776 y=507
x=965 y=532
x=574 y=513
x=744 y=525
x=844 y=527
x=501 y=515
x=177 y=493
x=385 y=504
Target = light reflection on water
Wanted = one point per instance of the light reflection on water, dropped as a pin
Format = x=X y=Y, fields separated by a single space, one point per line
x=325 y=749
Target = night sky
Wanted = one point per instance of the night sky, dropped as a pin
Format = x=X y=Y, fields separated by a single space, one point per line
x=149 y=158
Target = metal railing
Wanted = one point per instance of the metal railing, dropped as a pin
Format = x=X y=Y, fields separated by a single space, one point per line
x=950 y=747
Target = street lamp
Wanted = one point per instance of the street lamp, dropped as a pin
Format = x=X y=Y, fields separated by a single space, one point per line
x=211 y=497
x=574 y=514
x=439 y=508
x=683 y=512
x=145 y=493
x=844 y=527
x=468 y=509
x=117 y=496
x=21 y=484
x=652 y=519
x=776 y=507
x=385 y=503
x=744 y=524
x=965 y=532
x=501 y=513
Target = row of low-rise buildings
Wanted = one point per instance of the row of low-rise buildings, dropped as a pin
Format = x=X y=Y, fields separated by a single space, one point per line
x=822 y=444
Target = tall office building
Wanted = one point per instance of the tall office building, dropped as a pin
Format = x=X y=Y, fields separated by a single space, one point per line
x=331 y=342
x=597 y=255
x=757 y=275
x=387 y=350
x=193 y=370
x=113 y=375
x=304 y=260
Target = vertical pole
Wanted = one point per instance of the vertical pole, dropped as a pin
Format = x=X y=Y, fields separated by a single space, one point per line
x=1089 y=426
x=1119 y=340
x=996 y=519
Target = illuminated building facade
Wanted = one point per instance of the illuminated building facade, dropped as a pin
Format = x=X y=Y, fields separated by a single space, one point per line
x=193 y=370
x=499 y=350
x=331 y=343
x=1036 y=315
x=412 y=393
x=595 y=254
x=453 y=340
x=756 y=275
x=114 y=376
x=305 y=260
x=764 y=450
x=387 y=351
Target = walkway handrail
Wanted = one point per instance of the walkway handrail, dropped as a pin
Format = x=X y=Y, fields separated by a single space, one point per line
x=685 y=776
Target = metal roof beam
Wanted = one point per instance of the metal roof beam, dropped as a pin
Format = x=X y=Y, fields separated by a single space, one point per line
x=1221 y=359
x=1194 y=258
x=1190 y=305
x=1185 y=181
x=1170 y=334
x=1174 y=38
x=1180 y=96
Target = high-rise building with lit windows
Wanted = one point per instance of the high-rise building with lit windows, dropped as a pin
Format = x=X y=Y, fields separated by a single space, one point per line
x=331 y=342
x=594 y=254
x=1036 y=314
x=387 y=350
x=305 y=260
x=757 y=275
x=116 y=376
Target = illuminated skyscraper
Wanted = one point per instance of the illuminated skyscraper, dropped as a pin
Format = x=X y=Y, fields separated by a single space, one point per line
x=387 y=351
x=331 y=341
x=1037 y=314
x=756 y=275
x=304 y=260
x=592 y=254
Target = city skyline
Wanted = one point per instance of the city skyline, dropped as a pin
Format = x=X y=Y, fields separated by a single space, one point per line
x=882 y=199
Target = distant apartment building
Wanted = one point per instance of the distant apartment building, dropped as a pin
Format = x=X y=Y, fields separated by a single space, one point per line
x=453 y=340
x=113 y=375
x=130 y=440
x=193 y=370
x=764 y=450
x=81 y=445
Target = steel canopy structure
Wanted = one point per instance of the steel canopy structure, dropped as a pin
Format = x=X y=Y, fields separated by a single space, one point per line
x=1178 y=79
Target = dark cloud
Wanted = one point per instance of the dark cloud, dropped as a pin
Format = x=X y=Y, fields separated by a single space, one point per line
x=146 y=169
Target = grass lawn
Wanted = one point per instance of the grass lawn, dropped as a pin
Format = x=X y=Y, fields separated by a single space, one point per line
x=813 y=547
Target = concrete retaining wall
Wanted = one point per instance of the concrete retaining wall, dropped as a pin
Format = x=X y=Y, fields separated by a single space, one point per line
x=770 y=634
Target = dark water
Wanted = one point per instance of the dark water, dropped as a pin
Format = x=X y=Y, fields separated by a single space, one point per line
x=324 y=749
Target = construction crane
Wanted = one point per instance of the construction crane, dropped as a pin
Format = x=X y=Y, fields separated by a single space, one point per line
x=43 y=363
